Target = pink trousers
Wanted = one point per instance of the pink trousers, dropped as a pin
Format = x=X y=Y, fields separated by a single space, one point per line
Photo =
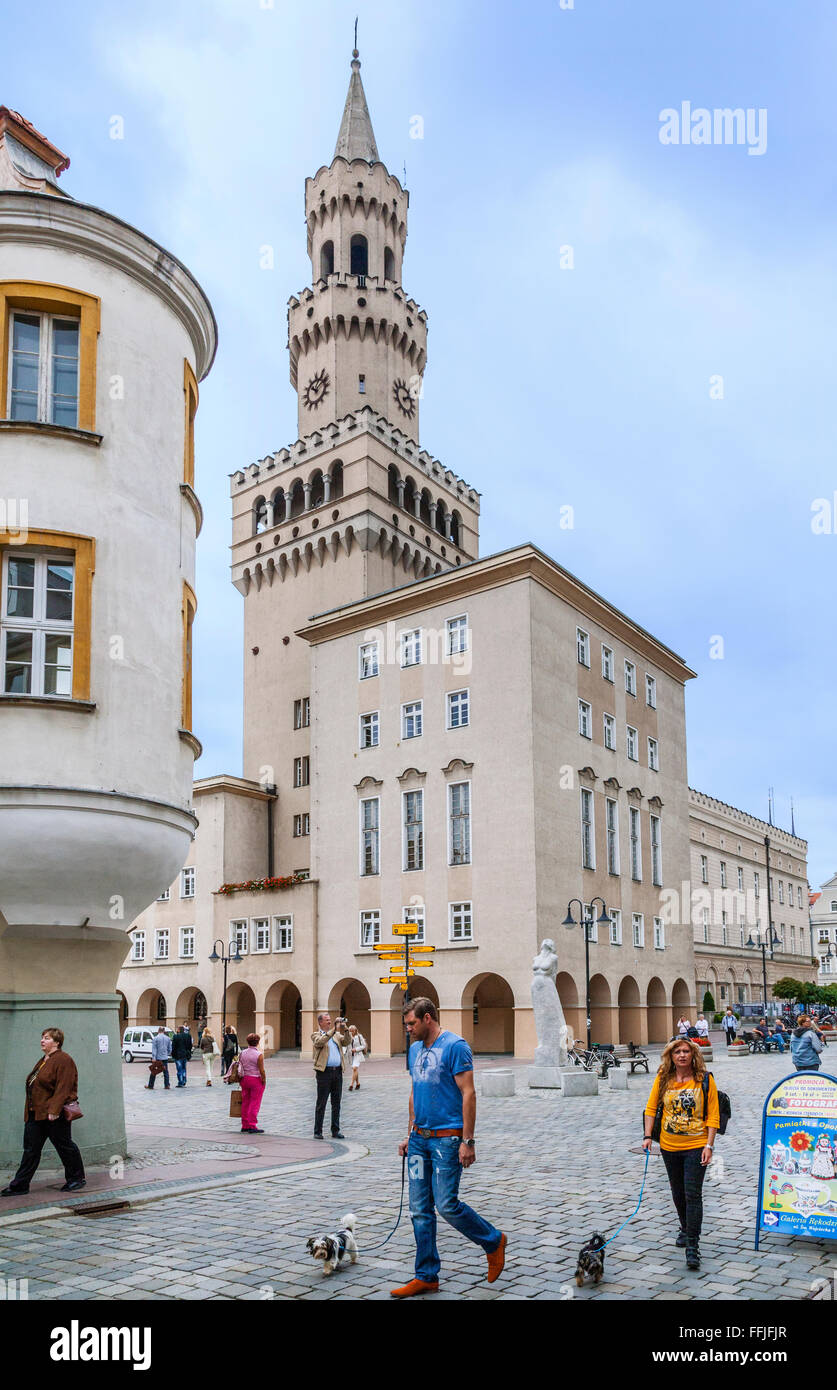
x=252 y=1090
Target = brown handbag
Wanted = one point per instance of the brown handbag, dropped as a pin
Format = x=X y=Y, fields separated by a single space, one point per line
x=235 y=1104
x=72 y=1111
x=155 y=1068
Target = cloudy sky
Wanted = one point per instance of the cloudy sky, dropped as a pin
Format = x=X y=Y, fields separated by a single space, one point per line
x=590 y=386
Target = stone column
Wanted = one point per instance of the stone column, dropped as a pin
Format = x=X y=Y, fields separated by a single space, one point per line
x=400 y=485
x=326 y=488
x=306 y=488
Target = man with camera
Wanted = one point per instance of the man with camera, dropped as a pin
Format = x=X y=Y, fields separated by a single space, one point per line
x=329 y=1060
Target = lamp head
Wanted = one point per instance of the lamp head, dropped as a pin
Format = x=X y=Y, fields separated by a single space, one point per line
x=214 y=955
x=569 y=920
x=605 y=918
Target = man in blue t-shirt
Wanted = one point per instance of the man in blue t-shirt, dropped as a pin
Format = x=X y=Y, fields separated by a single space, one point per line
x=443 y=1112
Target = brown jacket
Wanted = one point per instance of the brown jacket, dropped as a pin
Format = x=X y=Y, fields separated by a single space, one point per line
x=320 y=1041
x=55 y=1084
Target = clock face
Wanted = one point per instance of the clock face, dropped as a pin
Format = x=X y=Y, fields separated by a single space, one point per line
x=404 y=398
x=315 y=391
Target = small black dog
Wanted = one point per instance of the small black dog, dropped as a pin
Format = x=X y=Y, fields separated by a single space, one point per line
x=591 y=1260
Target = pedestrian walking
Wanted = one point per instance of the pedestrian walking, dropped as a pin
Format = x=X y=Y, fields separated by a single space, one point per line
x=253 y=1081
x=160 y=1052
x=689 y=1118
x=702 y=1027
x=181 y=1051
x=729 y=1023
x=209 y=1049
x=329 y=1059
x=51 y=1084
x=201 y=1030
x=357 y=1049
x=439 y=1144
x=229 y=1048
x=805 y=1045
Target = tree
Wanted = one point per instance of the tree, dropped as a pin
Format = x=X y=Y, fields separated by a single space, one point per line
x=788 y=988
x=708 y=1003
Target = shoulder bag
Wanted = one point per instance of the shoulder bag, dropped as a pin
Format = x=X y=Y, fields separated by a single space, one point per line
x=72 y=1111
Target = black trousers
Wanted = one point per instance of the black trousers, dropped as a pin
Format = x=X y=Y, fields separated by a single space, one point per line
x=329 y=1087
x=685 y=1175
x=35 y=1135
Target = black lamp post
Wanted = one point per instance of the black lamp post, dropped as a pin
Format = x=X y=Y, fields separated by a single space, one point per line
x=771 y=940
x=569 y=921
x=227 y=959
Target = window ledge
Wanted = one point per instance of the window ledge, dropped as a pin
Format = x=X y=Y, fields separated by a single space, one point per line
x=50 y=702
x=194 y=743
x=58 y=431
x=194 y=502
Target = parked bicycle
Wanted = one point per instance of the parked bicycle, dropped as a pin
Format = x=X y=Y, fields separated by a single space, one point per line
x=607 y=1058
x=587 y=1060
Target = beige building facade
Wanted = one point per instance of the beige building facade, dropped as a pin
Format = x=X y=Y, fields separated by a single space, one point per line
x=823 y=912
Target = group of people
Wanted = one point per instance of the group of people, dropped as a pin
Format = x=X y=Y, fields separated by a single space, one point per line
x=179 y=1048
x=698 y=1029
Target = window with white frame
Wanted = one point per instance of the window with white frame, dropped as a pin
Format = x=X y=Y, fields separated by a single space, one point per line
x=370 y=836
x=411 y=647
x=616 y=927
x=630 y=678
x=723 y=874
x=283 y=933
x=638 y=925
x=260 y=935
x=161 y=943
x=187 y=883
x=415 y=914
x=458 y=709
x=704 y=869
x=582 y=645
x=659 y=934
x=43 y=369
x=369 y=730
x=650 y=691
x=756 y=888
x=302 y=772
x=302 y=713
x=370 y=928
x=36 y=629
x=653 y=755
x=741 y=935
x=609 y=731
x=239 y=934
x=413 y=811
x=632 y=743
x=165 y=896
x=457 y=635
x=590 y=923
x=302 y=824
x=411 y=720
x=781 y=892
x=636 y=845
x=187 y=943
x=740 y=879
x=612 y=826
x=770 y=886
x=138 y=945
x=588 y=839
x=823 y=936
x=585 y=719
x=706 y=924
x=826 y=964
x=724 y=941
x=461 y=922
x=799 y=891
x=656 y=852
x=459 y=821
x=607 y=663
x=368 y=659
x=793 y=937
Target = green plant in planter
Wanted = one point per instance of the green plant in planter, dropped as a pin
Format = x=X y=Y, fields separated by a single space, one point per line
x=708 y=1003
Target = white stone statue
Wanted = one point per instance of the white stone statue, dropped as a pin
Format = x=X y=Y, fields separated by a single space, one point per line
x=553 y=1034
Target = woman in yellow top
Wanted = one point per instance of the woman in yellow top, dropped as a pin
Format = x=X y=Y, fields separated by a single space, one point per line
x=689 y=1124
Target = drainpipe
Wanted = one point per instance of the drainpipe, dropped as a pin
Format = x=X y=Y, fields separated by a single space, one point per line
x=271 y=791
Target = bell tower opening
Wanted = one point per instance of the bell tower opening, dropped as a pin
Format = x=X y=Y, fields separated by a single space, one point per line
x=389 y=263
x=359 y=255
x=327 y=260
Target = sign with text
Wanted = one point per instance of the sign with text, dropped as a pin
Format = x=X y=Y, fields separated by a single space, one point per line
x=405 y=929
x=797 y=1193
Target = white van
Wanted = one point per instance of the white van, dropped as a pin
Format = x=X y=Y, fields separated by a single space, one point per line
x=136 y=1042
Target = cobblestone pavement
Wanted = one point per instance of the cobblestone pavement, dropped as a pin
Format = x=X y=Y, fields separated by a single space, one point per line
x=549 y=1171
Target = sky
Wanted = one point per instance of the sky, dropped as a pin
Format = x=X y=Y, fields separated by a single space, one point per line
x=640 y=330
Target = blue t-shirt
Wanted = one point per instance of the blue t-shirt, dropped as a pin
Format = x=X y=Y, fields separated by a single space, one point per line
x=437 y=1100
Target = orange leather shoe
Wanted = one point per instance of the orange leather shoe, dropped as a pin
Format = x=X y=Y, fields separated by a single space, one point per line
x=415 y=1286
x=496 y=1260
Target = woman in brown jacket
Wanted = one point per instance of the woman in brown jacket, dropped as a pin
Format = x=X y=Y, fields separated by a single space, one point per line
x=49 y=1086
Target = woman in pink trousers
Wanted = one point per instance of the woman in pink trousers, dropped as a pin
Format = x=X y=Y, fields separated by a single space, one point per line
x=253 y=1081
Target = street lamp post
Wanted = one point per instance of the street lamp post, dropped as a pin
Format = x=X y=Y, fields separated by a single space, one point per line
x=227 y=959
x=569 y=921
x=762 y=944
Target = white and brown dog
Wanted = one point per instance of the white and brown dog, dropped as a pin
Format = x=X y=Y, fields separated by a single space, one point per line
x=335 y=1248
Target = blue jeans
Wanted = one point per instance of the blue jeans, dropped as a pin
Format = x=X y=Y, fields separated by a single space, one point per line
x=434 y=1171
x=165 y=1075
x=180 y=1063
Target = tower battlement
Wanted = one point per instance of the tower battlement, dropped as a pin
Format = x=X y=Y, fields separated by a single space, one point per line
x=357 y=307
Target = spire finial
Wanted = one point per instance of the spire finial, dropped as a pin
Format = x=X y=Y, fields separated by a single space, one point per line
x=355 y=53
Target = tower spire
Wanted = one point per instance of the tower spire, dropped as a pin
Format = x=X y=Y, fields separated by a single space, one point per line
x=357 y=138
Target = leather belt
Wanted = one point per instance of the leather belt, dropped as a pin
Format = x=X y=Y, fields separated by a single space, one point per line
x=437 y=1133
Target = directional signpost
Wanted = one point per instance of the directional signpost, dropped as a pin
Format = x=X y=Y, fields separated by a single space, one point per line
x=400 y=974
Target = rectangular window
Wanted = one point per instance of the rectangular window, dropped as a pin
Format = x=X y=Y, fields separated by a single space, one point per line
x=36 y=630
x=630 y=678
x=138 y=945
x=302 y=713
x=458 y=709
x=239 y=935
x=457 y=635
x=616 y=927
x=607 y=663
x=770 y=886
x=638 y=924
x=612 y=823
x=369 y=731
x=582 y=643
x=187 y=943
x=43 y=369
x=659 y=934
x=609 y=731
x=723 y=873
x=651 y=691
x=590 y=923
x=370 y=928
x=413 y=803
x=302 y=772
x=302 y=824
x=799 y=891
x=724 y=929
x=260 y=928
x=706 y=924
x=161 y=943
x=704 y=869
x=636 y=846
x=461 y=922
x=781 y=892
x=165 y=897
x=187 y=883
x=411 y=720
x=756 y=889
x=459 y=820
x=411 y=647
x=793 y=937
x=367 y=660
x=283 y=933
x=653 y=755
x=370 y=836
x=415 y=914
x=585 y=719
x=632 y=742
x=588 y=845
x=740 y=879
x=656 y=853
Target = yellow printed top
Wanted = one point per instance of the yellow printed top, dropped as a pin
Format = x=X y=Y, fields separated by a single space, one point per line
x=684 y=1124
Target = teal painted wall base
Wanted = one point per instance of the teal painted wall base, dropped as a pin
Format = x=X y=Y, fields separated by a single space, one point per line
x=84 y=1018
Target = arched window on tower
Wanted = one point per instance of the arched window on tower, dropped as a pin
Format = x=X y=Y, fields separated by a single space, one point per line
x=297 y=498
x=359 y=252
x=410 y=497
x=259 y=516
x=326 y=260
x=389 y=263
x=336 y=481
x=317 y=489
x=278 y=506
x=440 y=517
x=424 y=507
x=456 y=529
x=392 y=483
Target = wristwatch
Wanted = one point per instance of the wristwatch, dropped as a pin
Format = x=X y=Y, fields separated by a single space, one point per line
x=469 y=1142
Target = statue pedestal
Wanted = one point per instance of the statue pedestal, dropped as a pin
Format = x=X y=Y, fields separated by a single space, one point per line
x=580 y=1083
x=497 y=1083
x=546 y=1078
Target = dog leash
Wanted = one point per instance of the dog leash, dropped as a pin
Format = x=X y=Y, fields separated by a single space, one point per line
x=381 y=1243
x=633 y=1213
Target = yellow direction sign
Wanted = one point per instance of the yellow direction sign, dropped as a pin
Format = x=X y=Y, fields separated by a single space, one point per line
x=391 y=955
x=388 y=946
x=424 y=964
x=399 y=970
x=391 y=980
x=405 y=928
